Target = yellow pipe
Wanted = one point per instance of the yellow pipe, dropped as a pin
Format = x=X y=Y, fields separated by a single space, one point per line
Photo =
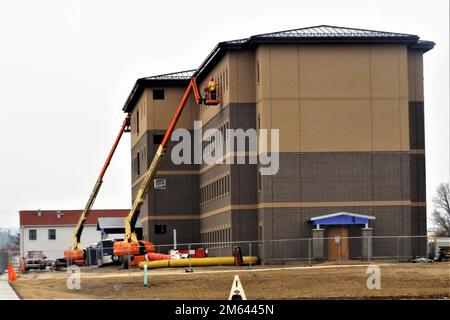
x=196 y=262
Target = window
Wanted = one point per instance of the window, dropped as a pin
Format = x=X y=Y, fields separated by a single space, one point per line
x=259 y=180
x=51 y=234
x=257 y=71
x=160 y=229
x=137 y=122
x=158 y=138
x=138 y=165
x=226 y=78
x=158 y=94
x=216 y=185
x=32 y=234
x=258 y=125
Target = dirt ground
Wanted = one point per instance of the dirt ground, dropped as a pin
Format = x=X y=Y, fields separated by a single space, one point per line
x=398 y=281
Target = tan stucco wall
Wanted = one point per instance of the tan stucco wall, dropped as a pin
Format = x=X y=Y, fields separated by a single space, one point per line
x=415 y=75
x=321 y=97
x=140 y=108
x=220 y=71
x=327 y=98
x=157 y=114
x=240 y=66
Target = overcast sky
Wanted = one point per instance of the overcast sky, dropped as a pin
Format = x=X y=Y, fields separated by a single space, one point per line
x=66 y=68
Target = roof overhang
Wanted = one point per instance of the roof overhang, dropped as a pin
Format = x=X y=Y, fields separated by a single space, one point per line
x=423 y=45
x=341 y=218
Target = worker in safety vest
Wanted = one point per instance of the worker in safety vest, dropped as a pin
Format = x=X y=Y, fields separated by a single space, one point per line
x=212 y=88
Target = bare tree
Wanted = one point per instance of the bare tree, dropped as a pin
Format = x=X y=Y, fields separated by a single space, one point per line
x=441 y=213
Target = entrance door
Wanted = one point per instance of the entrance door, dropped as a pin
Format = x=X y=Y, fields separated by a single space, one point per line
x=338 y=244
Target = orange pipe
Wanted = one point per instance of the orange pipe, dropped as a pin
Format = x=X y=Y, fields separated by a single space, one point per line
x=151 y=256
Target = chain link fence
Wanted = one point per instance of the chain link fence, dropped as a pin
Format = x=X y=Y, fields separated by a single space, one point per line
x=305 y=251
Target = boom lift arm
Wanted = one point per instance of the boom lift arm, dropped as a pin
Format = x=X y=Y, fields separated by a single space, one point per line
x=131 y=245
x=76 y=252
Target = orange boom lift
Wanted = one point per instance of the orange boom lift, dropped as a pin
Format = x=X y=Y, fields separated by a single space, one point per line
x=76 y=253
x=131 y=246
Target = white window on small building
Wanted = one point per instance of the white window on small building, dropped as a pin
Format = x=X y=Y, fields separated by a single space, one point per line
x=32 y=234
x=51 y=234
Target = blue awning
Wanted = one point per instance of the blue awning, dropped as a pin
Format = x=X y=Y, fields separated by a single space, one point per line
x=341 y=218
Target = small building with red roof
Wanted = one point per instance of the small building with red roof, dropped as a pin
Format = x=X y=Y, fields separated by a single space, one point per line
x=50 y=231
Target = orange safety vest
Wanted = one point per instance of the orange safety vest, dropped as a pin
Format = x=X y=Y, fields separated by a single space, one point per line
x=212 y=85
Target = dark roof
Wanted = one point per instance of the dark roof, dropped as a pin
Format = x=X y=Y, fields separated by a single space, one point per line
x=316 y=34
x=67 y=217
x=182 y=75
x=332 y=31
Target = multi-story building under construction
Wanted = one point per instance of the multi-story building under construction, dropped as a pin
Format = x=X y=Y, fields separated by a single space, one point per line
x=349 y=106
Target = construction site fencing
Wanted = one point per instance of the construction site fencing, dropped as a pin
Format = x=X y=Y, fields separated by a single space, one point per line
x=304 y=251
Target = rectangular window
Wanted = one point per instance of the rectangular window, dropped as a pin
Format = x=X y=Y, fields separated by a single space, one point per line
x=32 y=234
x=137 y=122
x=257 y=71
x=138 y=165
x=158 y=138
x=259 y=180
x=158 y=94
x=217 y=189
x=226 y=78
x=226 y=184
x=160 y=229
x=51 y=234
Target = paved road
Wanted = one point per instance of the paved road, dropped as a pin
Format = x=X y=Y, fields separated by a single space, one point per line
x=6 y=292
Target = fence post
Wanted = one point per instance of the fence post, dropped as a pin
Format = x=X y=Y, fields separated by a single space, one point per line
x=368 y=246
x=309 y=251
x=250 y=252
x=340 y=249
x=190 y=264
